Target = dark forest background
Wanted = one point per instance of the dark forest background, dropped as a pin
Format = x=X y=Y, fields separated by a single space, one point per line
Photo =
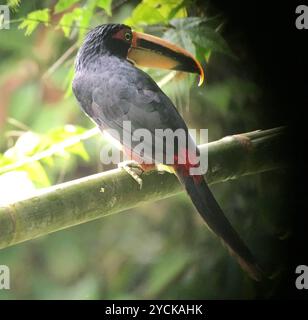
x=255 y=66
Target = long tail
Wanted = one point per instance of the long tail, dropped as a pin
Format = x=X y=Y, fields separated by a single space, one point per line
x=215 y=219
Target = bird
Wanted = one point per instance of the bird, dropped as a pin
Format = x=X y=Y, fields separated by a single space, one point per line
x=111 y=88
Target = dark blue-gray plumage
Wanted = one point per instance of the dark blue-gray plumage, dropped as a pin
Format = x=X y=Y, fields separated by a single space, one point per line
x=110 y=89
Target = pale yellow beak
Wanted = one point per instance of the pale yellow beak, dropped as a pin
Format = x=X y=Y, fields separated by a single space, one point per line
x=153 y=52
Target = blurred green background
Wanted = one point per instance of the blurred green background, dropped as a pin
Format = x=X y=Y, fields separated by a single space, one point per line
x=162 y=249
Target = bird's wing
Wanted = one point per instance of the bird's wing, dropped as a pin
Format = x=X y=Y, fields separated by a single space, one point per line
x=132 y=95
x=110 y=98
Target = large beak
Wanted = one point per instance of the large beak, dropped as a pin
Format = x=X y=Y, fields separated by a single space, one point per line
x=154 y=52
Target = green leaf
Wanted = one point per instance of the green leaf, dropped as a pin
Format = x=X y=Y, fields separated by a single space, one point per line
x=155 y=12
x=203 y=53
x=193 y=22
x=181 y=38
x=13 y=4
x=4 y=160
x=37 y=174
x=79 y=150
x=29 y=25
x=49 y=161
x=63 y=5
x=33 y=19
x=106 y=5
x=209 y=39
x=187 y=23
x=175 y=10
x=85 y=19
x=202 y=34
x=57 y=135
x=144 y=14
x=68 y=19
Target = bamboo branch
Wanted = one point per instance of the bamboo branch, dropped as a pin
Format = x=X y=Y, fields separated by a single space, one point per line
x=102 y=194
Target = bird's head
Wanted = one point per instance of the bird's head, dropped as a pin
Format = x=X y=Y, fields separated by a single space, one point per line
x=139 y=48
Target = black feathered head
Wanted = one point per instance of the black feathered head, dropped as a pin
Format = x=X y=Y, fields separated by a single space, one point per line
x=110 y=39
x=139 y=48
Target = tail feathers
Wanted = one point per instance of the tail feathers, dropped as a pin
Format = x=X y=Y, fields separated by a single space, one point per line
x=215 y=219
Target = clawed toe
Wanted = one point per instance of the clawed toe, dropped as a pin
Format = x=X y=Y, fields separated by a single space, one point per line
x=134 y=169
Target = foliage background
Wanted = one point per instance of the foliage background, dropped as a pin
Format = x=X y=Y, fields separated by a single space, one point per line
x=162 y=249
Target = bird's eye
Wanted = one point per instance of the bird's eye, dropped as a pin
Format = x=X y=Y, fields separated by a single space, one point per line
x=128 y=36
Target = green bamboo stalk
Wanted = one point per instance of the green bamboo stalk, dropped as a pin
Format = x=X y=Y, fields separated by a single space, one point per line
x=99 y=195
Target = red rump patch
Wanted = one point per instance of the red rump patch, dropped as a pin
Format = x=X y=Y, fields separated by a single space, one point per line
x=183 y=162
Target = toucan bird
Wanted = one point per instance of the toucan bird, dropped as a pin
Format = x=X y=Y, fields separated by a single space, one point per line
x=111 y=89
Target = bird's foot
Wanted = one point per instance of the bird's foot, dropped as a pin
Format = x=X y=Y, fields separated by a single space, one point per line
x=134 y=169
